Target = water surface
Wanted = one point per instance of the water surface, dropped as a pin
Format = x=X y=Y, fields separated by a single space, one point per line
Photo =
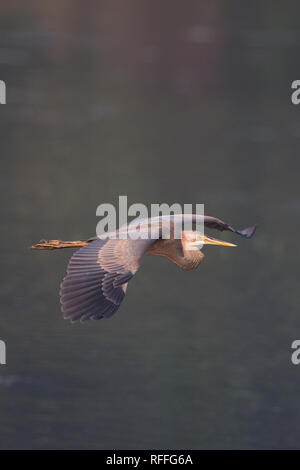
x=188 y=107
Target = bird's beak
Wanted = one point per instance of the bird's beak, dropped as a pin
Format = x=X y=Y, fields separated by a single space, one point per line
x=214 y=241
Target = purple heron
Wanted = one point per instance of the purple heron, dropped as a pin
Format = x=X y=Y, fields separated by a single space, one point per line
x=98 y=273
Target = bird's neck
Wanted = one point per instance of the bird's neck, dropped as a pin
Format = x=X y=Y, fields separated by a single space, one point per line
x=175 y=252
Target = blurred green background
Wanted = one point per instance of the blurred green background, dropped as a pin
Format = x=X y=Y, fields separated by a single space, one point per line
x=168 y=101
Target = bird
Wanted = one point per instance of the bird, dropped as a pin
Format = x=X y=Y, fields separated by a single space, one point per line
x=98 y=273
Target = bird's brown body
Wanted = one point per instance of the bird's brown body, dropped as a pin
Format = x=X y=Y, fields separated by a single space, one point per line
x=98 y=273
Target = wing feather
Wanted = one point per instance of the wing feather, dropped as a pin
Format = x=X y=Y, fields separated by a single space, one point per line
x=97 y=277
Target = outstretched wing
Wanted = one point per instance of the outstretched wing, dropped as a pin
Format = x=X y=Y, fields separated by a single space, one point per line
x=213 y=222
x=97 y=277
x=208 y=221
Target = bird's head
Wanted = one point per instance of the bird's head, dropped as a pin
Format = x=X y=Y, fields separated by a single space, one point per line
x=194 y=240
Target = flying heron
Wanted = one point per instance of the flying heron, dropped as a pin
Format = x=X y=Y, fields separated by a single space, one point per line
x=98 y=273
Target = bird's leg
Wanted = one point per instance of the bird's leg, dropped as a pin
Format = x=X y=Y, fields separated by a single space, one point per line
x=55 y=244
